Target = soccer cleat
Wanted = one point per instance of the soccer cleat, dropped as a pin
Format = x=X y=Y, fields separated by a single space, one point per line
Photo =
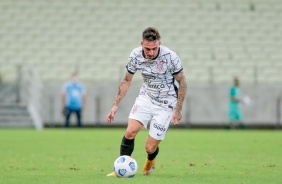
x=112 y=174
x=149 y=166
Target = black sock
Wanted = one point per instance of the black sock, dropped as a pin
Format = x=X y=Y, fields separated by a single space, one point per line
x=153 y=155
x=127 y=146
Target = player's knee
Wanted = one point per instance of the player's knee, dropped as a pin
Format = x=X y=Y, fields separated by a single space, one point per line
x=150 y=149
x=130 y=134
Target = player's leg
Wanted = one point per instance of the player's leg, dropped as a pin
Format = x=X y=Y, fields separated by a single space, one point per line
x=236 y=118
x=152 y=147
x=78 y=116
x=240 y=119
x=232 y=119
x=67 y=114
x=152 y=150
x=127 y=143
x=138 y=118
x=158 y=128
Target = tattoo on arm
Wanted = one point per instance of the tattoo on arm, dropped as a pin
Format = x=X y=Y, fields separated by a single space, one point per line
x=180 y=78
x=123 y=88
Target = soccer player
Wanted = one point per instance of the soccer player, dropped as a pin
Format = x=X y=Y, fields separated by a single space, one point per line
x=73 y=99
x=160 y=99
x=235 y=114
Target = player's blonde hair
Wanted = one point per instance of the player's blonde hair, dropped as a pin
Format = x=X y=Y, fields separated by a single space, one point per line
x=151 y=34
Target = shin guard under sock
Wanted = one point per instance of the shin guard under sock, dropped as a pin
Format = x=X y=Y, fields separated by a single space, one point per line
x=127 y=146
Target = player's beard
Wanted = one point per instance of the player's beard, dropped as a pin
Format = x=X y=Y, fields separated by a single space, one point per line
x=150 y=56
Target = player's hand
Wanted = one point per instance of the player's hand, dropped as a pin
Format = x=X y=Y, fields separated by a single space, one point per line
x=176 y=117
x=110 y=116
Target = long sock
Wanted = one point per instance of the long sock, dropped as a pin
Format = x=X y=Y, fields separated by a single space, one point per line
x=127 y=146
x=153 y=155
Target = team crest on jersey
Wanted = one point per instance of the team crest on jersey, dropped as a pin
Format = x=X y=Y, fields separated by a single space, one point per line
x=160 y=66
x=135 y=108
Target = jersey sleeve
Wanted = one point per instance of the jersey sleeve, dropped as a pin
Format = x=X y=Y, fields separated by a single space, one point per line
x=176 y=66
x=132 y=63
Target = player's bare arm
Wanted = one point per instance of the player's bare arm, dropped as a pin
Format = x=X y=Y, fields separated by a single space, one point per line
x=180 y=78
x=122 y=90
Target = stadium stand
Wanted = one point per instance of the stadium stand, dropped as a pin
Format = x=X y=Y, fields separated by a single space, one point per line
x=214 y=38
x=15 y=116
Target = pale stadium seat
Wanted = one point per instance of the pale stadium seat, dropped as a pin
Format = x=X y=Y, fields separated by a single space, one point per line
x=225 y=73
x=269 y=74
x=59 y=36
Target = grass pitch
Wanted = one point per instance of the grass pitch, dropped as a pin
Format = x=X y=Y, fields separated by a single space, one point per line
x=186 y=156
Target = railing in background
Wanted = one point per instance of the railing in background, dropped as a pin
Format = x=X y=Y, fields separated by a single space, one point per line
x=19 y=83
x=10 y=92
x=35 y=97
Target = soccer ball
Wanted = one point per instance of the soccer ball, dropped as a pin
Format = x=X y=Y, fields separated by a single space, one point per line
x=125 y=166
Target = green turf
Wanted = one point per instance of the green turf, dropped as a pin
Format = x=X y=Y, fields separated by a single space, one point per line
x=186 y=156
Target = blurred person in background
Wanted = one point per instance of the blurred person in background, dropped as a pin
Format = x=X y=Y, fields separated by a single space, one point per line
x=235 y=114
x=160 y=99
x=73 y=99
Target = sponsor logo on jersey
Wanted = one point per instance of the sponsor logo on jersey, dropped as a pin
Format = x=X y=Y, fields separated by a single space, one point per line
x=156 y=86
x=148 y=78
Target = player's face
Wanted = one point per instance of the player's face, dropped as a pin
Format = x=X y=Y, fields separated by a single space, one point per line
x=150 y=48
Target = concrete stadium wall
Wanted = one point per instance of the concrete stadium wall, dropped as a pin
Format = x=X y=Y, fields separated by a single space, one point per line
x=204 y=105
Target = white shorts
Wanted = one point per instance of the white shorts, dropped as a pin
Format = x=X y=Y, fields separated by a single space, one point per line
x=159 y=116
